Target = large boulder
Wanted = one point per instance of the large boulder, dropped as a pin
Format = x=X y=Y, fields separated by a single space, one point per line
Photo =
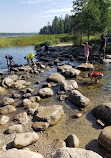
x=68 y=71
x=14 y=153
x=55 y=77
x=75 y=153
x=24 y=139
x=85 y=67
x=103 y=112
x=7 y=82
x=7 y=109
x=45 y=92
x=50 y=114
x=105 y=138
x=78 y=99
x=68 y=85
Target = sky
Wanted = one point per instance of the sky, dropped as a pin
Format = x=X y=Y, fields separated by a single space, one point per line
x=30 y=15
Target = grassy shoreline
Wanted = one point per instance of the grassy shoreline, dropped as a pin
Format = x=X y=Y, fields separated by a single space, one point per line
x=34 y=39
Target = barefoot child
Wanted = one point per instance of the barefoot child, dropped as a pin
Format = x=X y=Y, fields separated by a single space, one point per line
x=96 y=76
x=86 y=50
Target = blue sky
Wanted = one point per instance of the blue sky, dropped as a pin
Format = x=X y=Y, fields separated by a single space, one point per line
x=30 y=15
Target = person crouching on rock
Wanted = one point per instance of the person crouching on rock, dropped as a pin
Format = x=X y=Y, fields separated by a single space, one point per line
x=96 y=76
x=86 y=50
x=29 y=57
x=9 y=59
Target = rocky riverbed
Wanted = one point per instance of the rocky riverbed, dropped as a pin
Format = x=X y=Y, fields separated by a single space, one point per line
x=52 y=109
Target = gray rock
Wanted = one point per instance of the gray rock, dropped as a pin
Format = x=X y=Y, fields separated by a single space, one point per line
x=30 y=105
x=68 y=85
x=68 y=71
x=78 y=99
x=15 y=129
x=75 y=153
x=15 y=95
x=7 y=82
x=103 y=112
x=50 y=114
x=20 y=154
x=26 y=95
x=72 y=141
x=45 y=92
x=7 y=101
x=2 y=90
x=105 y=138
x=55 y=77
x=22 y=118
x=4 y=119
x=85 y=67
x=14 y=77
x=7 y=109
x=40 y=126
x=24 y=139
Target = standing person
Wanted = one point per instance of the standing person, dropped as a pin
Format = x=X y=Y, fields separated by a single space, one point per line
x=107 y=36
x=102 y=47
x=29 y=57
x=86 y=50
x=9 y=59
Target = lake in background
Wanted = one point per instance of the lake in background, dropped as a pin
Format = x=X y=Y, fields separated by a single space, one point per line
x=16 y=34
x=18 y=54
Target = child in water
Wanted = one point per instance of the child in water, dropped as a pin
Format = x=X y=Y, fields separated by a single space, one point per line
x=96 y=76
x=9 y=59
x=86 y=50
x=29 y=57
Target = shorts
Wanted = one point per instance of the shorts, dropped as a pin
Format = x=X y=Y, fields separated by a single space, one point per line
x=102 y=49
x=86 y=54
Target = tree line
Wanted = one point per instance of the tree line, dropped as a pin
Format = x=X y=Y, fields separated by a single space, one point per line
x=89 y=17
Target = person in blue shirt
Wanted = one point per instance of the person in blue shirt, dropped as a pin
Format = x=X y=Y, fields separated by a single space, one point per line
x=9 y=59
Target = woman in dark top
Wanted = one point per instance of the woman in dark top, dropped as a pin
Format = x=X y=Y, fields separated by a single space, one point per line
x=102 y=47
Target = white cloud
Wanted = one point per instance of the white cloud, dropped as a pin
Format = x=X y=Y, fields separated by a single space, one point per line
x=34 y=1
x=57 y=10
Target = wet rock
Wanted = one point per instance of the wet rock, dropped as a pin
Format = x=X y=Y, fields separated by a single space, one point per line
x=35 y=99
x=42 y=66
x=103 y=112
x=7 y=82
x=68 y=85
x=68 y=71
x=45 y=92
x=4 y=119
x=2 y=90
x=1 y=73
x=26 y=95
x=62 y=97
x=20 y=153
x=78 y=99
x=24 y=139
x=75 y=153
x=40 y=126
x=50 y=114
x=15 y=129
x=72 y=141
x=25 y=68
x=15 y=95
x=7 y=109
x=46 y=85
x=24 y=76
x=22 y=118
x=55 y=77
x=105 y=138
x=29 y=90
x=7 y=101
x=59 y=144
x=20 y=84
x=85 y=67
x=37 y=82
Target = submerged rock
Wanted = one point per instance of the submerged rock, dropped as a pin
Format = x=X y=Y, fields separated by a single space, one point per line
x=20 y=153
x=78 y=99
x=75 y=153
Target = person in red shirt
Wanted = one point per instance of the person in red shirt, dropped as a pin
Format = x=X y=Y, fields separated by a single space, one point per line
x=96 y=76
